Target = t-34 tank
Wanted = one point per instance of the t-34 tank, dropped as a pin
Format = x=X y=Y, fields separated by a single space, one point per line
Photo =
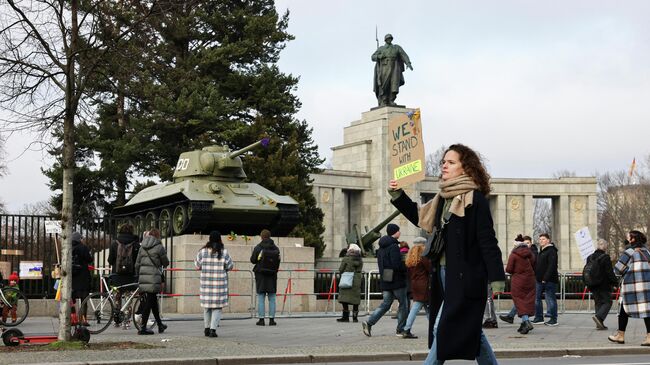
x=208 y=192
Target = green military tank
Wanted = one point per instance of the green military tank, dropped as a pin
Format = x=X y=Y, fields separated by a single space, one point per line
x=209 y=192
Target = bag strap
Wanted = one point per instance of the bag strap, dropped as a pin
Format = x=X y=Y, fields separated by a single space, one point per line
x=151 y=259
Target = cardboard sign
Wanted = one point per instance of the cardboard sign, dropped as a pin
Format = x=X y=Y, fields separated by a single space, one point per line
x=53 y=227
x=406 y=143
x=585 y=243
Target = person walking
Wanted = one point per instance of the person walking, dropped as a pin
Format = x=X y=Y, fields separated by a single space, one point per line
x=266 y=258
x=352 y=262
x=521 y=263
x=392 y=272
x=469 y=259
x=214 y=262
x=605 y=279
x=547 y=281
x=81 y=259
x=149 y=265
x=419 y=269
x=510 y=317
x=634 y=266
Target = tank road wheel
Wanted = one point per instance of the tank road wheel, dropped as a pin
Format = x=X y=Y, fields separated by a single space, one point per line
x=179 y=219
x=165 y=222
x=150 y=220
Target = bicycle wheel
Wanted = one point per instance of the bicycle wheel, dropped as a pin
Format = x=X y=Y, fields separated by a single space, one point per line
x=15 y=307
x=98 y=311
x=136 y=311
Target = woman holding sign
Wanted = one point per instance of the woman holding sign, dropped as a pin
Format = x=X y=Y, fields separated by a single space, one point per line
x=469 y=256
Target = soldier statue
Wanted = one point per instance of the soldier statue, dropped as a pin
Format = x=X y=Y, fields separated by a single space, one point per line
x=389 y=66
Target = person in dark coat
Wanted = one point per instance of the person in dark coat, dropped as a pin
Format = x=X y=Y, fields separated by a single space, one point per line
x=547 y=281
x=521 y=264
x=602 y=291
x=471 y=257
x=81 y=259
x=419 y=269
x=510 y=317
x=125 y=236
x=352 y=262
x=265 y=282
x=149 y=265
x=392 y=272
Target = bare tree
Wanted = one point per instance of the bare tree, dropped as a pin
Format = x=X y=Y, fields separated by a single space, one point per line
x=542 y=217
x=432 y=162
x=49 y=50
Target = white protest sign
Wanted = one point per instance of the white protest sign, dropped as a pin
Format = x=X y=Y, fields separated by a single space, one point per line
x=585 y=243
x=53 y=227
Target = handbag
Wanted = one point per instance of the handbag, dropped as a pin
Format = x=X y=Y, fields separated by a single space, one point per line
x=387 y=275
x=346 y=280
x=436 y=243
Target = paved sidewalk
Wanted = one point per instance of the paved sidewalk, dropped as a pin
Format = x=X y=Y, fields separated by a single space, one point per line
x=319 y=339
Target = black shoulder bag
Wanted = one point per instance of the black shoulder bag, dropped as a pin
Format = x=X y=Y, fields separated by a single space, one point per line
x=435 y=242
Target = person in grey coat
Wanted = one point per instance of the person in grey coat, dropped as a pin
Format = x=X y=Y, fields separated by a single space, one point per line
x=352 y=262
x=152 y=258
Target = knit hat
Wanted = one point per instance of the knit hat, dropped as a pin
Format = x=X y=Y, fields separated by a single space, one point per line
x=419 y=241
x=13 y=276
x=76 y=237
x=215 y=236
x=391 y=229
x=354 y=248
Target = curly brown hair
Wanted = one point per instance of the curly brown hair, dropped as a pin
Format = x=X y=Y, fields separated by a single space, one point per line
x=472 y=164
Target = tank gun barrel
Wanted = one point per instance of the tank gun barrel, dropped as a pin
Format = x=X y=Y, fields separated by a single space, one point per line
x=365 y=241
x=264 y=142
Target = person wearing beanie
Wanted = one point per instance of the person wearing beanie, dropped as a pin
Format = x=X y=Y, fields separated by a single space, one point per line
x=266 y=258
x=392 y=272
x=351 y=262
x=214 y=262
x=419 y=269
x=467 y=259
x=12 y=298
x=81 y=278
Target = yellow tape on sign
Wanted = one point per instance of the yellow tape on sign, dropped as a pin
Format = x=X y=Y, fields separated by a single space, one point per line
x=408 y=169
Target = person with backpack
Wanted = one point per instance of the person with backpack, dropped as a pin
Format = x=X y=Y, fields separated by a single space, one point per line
x=121 y=257
x=149 y=266
x=599 y=277
x=81 y=259
x=266 y=258
x=634 y=266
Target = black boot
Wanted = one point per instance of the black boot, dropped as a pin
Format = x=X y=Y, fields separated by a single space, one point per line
x=345 y=318
x=272 y=322
x=355 y=316
x=213 y=333
x=206 y=332
x=260 y=322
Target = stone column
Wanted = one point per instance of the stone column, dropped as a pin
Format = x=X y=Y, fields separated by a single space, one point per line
x=578 y=218
x=561 y=231
x=515 y=214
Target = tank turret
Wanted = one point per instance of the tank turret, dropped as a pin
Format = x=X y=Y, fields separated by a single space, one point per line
x=209 y=192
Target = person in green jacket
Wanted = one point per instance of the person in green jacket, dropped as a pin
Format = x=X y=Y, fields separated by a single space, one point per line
x=352 y=262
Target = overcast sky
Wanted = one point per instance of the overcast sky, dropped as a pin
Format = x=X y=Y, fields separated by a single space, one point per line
x=535 y=86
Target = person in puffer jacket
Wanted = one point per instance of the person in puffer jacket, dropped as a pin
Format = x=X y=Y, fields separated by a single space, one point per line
x=152 y=259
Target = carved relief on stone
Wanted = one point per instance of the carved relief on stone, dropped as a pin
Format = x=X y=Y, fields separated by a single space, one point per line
x=515 y=204
x=578 y=205
x=325 y=197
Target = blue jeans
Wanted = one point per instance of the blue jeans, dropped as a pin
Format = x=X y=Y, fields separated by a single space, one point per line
x=260 y=304
x=485 y=353
x=549 y=289
x=389 y=297
x=415 y=308
x=211 y=318
x=513 y=312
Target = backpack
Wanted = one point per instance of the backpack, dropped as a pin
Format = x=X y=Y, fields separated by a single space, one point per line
x=76 y=266
x=592 y=273
x=124 y=262
x=269 y=261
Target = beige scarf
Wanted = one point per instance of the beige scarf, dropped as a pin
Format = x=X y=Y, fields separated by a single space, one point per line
x=461 y=189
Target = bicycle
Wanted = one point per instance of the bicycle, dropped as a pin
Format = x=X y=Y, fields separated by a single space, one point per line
x=99 y=309
x=14 y=306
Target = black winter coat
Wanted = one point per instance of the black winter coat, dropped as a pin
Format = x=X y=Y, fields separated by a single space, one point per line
x=264 y=282
x=609 y=278
x=546 y=269
x=389 y=257
x=473 y=259
x=81 y=280
x=125 y=238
